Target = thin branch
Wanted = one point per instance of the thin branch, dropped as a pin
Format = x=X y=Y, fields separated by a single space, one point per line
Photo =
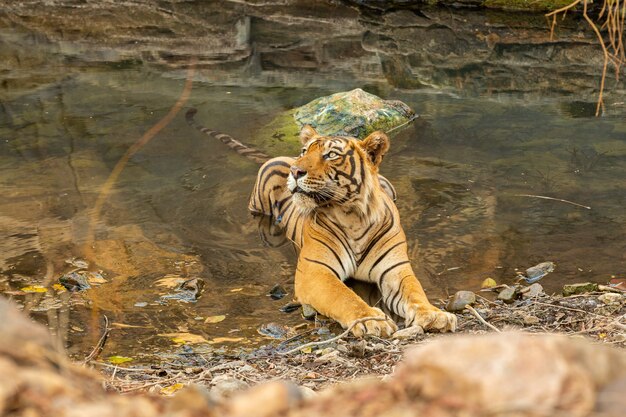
x=553 y=199
x=100 y=345
x=344 y=334
x=481 y=319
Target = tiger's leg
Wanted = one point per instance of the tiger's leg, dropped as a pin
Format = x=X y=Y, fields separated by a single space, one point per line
x=404 y=295
x=318 y=283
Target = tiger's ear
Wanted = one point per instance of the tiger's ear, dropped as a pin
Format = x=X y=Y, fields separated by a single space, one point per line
x=307 y=133
x=376 y=146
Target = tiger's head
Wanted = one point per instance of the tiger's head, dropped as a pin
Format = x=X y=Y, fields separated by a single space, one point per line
x=337 y=171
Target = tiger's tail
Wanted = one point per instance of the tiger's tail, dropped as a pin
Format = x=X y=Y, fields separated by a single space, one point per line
x=247 y=151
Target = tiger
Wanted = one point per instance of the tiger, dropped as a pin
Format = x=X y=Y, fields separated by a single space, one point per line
x=340 y=214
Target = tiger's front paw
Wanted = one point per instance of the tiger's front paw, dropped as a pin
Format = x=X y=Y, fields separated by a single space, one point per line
x=430 y=318
x=384 y=327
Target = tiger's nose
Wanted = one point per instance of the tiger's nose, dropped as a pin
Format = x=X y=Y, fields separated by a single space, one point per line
x=297 y=172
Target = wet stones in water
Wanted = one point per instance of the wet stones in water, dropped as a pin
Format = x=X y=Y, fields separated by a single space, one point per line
x=188 y=292
x=75 y=281
x=275 y=331
x=508 y=294
x=537 y=272
x=460 y=300
x=580 y=288
x=277 y=292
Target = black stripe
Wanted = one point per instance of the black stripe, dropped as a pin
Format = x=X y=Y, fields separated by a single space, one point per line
x=365 y=232
x=343 y=268
x=326 y=265
x=374 y=241
x=382 y=276
x=381 y=257
x=341 y=240
x=398 y=293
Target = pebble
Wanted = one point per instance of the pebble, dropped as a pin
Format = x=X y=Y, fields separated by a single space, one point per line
x=508 y=295
x=225 y=385
x=308 y=312
x=277 y=292
x=530 y=320
x=141 y=304
x=307 y=392
x=535 y=273
x=580 y=288
x=408 y=333
x=332 y=356
x=612 y=299
x=342 y=348
x=533 y=291
x=460 y=300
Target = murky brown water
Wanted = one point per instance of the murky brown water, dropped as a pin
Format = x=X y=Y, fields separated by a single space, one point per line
x=178 y=209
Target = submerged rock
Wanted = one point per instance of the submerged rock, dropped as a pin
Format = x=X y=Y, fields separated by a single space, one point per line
x=277 y=292
x=537 y=272
x=188 y=291
x=353 y=113
x=75 y=281
x=275 y=331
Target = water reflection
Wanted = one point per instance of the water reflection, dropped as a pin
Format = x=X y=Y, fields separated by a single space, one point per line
x=180 y=206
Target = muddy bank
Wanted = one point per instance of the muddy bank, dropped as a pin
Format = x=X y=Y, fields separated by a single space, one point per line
x=462 y=49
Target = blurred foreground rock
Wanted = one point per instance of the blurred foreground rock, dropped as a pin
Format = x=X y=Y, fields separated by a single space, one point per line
x=498 y=374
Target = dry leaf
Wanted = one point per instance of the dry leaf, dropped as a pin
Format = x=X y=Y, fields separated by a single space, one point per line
x=171 y=389
x=188 y=338
x=236 y=289
x=226 y=340
x=214 y=319
x=116 y=360
x=170 y=281
x=34 y=288
x=127 y=326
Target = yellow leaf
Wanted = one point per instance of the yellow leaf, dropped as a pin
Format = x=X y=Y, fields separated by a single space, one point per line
x=171 y=389
x=214 y=319
x=59 y=287
x=488 y=283
x=34 y=288
x=226 y=340
x=602 y=335
x=306 y=349
x=236 y=289
x=185 y=338
x=116 y=360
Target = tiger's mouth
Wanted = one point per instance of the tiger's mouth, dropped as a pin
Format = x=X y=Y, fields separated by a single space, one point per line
x=315 y=196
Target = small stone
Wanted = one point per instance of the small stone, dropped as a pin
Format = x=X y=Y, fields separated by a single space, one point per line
x=277 y=292
x=357 y=349
x=308 y=312
x=141 y=304
x=460 y=300
x=332 y=356
x=307 y=392
x=75 y=281
x=342 y=348
x=508 y=295
x=533 y=291
x=612 y=299
x=225 y=385
x=580 y=288
x=290 y=307
x=530 y=320
x=378 y=347
x=408 y=333
x=246 y=369
x=535 y=273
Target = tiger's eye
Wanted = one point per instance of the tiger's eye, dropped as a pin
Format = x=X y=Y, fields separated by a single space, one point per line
x=330 y=155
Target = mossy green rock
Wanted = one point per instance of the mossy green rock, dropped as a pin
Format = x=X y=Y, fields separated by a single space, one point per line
x=353 y=113
x=580 y=288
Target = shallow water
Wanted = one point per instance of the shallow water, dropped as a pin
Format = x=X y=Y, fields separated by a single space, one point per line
x=178 y=209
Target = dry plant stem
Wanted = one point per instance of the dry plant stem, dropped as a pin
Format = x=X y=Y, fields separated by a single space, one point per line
x=342 y=335
x=553 y=199
x=100 y=345
x=482 y=320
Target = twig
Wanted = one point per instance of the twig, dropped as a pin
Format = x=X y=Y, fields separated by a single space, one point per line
x=610 y=289
x=414 y=117
x=332 y=339
x=552 y=198
x=482 y=320
x=100 y=345
x=119 y=368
